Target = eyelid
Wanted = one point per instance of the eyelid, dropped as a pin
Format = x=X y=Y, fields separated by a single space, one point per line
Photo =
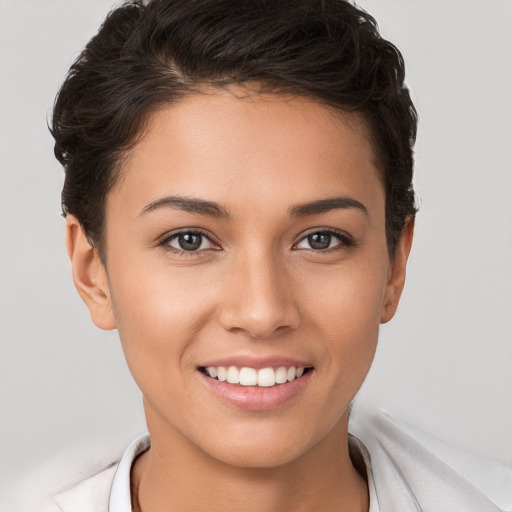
x=345 y=239
x=171 y=235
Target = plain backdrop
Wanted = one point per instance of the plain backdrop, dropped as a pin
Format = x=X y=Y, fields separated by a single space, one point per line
x=444 y=362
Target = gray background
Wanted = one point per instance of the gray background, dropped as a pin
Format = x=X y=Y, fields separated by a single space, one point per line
x=444 y=363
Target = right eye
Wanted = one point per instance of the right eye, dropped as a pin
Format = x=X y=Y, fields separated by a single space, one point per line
x=189 y=241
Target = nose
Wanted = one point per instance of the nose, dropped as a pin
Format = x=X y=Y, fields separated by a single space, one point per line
x=259 y=300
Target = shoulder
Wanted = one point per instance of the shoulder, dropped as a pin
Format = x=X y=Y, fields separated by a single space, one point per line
x=81 y=484
x=80 y=474
x=412 y=471
x=91 y=493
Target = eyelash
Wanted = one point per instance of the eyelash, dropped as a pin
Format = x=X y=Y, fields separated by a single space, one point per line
x=166 y=240
x=345 y=241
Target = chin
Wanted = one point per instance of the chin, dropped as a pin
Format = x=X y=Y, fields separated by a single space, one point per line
x=257 y=455
x=265 y=446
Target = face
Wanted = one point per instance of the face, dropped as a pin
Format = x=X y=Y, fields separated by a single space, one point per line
x=246 y=240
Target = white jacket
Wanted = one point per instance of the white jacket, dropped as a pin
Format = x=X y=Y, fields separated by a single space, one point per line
x=407 y=472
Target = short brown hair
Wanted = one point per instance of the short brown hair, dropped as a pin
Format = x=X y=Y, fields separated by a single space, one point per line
x=150 y=53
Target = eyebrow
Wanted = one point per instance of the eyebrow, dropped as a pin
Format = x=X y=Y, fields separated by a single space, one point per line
x=325 y=205
x=188 y=204
x=203 y=207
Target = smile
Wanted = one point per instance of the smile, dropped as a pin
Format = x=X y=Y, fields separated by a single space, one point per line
x=247 y=376
x=256 y=383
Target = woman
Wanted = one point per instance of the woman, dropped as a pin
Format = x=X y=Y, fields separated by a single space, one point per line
x=239 y=206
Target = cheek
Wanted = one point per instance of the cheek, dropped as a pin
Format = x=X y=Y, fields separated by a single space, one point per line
x=159 y=315
x=346 y=309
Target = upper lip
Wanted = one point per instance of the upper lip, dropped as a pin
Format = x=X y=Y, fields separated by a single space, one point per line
x=256 y=362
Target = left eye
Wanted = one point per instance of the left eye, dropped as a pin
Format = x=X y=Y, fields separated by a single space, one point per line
x=320 y=241
x=189 y=241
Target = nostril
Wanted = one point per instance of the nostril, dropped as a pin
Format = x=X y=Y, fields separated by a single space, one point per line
x=261 y=305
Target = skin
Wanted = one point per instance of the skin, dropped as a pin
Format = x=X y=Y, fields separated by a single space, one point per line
x=257 y=289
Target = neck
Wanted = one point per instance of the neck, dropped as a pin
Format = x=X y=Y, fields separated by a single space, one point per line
x=175 y=476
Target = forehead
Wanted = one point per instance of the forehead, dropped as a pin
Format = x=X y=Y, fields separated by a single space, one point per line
x=230 y=146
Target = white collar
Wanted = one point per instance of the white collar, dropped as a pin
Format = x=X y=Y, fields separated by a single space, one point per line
x=404 y=472
x=120 y=495
x=120 y=500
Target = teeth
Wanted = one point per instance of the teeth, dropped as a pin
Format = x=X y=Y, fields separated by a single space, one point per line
x=233 y=375
x=281 y=373
x=248 y=376
x=266 y=377
x=221 y=373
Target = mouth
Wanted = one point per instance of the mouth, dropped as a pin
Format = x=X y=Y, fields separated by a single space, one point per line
x=251 y=377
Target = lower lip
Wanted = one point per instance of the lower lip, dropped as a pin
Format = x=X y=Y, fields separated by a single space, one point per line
x=255 y=398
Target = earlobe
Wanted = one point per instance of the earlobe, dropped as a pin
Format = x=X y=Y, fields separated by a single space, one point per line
x=398 y=267
x=89 y=275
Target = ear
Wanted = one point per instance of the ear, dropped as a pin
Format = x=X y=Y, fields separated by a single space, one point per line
x=397 y=272
x=89 y=275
